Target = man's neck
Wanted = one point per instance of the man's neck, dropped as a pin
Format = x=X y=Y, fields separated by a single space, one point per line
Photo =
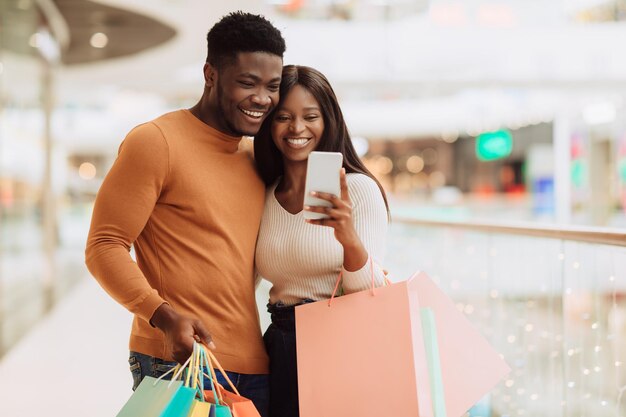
x=202 y=112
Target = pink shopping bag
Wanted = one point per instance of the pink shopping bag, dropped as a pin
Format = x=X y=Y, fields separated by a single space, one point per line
x=363 y=355
x=470 y=366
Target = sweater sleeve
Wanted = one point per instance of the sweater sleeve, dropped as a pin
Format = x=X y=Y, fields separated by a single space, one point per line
x=370 y=221
x=122 y=209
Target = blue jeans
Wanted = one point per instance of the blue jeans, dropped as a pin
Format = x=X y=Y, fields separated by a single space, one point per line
x=254 y=387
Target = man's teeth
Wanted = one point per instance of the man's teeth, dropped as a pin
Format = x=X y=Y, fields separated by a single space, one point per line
x=252 y=113
x=298 y=142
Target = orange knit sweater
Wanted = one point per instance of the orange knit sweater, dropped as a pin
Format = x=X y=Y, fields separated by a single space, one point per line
x=188 y=198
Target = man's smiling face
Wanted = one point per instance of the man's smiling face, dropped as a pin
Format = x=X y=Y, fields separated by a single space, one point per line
x=246 y=92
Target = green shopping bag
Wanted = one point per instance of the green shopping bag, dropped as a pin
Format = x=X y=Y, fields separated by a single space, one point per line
x=429 y=332
x=156 y=397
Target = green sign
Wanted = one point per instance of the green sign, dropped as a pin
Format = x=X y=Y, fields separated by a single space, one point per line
x=494 y=145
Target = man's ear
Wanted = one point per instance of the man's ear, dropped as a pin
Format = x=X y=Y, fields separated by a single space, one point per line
x=210 y=75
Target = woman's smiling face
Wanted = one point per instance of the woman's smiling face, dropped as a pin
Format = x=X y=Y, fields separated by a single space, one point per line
x=297 y=125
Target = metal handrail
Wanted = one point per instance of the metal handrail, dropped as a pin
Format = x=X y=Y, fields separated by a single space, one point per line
x=597 y=235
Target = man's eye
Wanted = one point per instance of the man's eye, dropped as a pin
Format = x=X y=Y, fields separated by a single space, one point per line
x=246 y=84
x=273 y=88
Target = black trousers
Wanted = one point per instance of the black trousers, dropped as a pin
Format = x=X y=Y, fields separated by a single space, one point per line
x=280 y=342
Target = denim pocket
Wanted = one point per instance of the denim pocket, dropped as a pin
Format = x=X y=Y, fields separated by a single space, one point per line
x=160 y=367
x=135 y=370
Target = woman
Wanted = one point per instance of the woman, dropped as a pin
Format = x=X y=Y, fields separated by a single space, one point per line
x=303 y=258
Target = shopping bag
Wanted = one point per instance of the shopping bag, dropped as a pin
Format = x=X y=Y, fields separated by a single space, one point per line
x=200 y=409
x=339 y=343
x=470 y=366
x=429 y=332
x=363 y=355
x=195 y=379
x=238 y=405
x=156 y=397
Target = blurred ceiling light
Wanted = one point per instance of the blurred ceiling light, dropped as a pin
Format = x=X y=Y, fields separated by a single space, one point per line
x=99 y=40
x=415 y=164
x=47 y=45
x=87 y=171
x=450 y=137
x=384 y=165
x=599 y=113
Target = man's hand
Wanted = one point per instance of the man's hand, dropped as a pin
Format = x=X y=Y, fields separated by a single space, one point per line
x=180 y=332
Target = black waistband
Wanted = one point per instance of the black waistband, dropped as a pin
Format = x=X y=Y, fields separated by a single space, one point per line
x=283 y=316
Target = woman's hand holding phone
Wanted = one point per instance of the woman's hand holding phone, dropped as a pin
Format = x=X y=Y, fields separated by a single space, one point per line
x=339 y=215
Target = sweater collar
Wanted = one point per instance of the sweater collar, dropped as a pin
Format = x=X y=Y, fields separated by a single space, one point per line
x=222 y=140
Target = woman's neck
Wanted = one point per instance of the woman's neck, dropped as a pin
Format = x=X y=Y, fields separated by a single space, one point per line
x=294 y=177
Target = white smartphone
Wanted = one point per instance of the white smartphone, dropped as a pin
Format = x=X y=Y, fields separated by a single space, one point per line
x=322 y=174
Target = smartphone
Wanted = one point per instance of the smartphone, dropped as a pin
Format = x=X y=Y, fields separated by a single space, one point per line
x=322 y=174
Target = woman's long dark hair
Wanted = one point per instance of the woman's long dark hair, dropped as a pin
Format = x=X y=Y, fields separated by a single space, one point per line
x=335 y=138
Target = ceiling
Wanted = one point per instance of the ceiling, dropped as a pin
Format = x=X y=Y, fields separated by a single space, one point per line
x=439 y=49
x=121 y=32
x=444 y=64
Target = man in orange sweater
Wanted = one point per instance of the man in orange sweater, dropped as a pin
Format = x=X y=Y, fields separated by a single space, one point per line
x=185 y=193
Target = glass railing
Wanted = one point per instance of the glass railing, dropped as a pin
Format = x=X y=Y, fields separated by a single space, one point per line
x=552 y=300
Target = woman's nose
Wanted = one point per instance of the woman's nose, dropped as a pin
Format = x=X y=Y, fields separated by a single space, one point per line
x=296 y=125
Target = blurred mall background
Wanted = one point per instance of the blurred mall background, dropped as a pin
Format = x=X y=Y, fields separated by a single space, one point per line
x=498 y=127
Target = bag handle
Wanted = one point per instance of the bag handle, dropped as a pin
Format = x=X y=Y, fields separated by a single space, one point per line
x=222 y=371
x=217 y=396
x=193 y=363
x=341 y=275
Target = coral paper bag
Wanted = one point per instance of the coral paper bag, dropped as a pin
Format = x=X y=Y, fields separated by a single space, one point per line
x=470 y=367
x=363 y=356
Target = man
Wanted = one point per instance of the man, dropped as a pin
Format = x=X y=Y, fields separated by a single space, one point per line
x=185 y=193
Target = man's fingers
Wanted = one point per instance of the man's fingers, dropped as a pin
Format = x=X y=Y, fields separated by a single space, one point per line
x=203 y=334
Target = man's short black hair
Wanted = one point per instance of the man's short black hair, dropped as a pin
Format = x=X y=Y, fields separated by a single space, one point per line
x=242 y=32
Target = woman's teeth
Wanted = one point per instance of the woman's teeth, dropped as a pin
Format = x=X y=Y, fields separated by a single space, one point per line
x=297 y=142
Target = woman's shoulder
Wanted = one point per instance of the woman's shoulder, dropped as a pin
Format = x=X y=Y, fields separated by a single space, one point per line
x=361 y=181
x=363 y=187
